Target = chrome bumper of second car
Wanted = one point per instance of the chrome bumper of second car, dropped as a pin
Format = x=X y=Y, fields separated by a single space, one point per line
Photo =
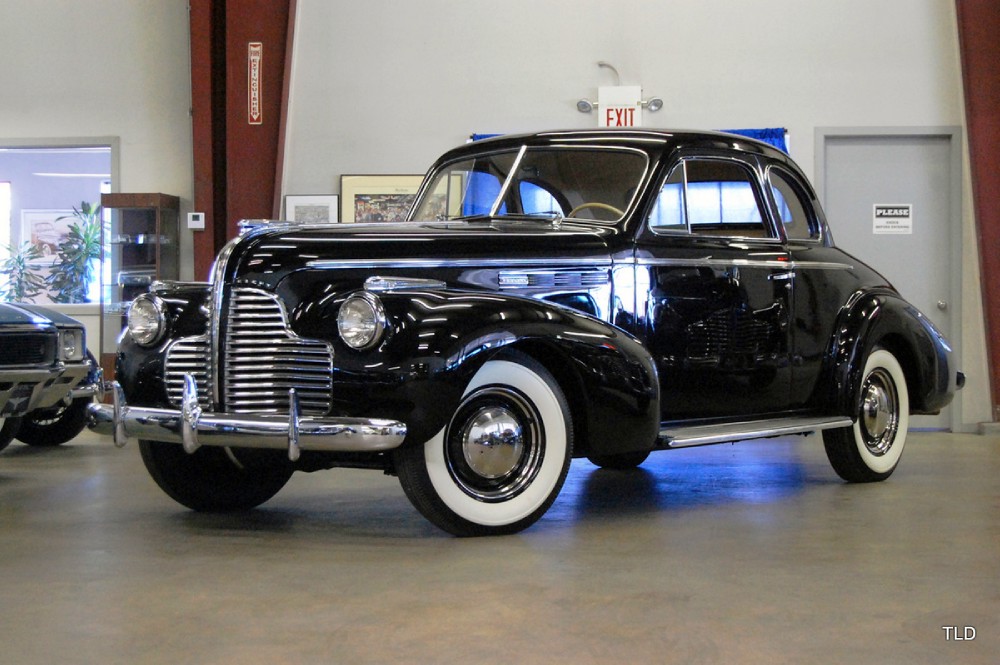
x=192 y=427
x=26 y=389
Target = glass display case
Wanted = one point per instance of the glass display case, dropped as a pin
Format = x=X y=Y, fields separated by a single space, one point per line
x=140 y=246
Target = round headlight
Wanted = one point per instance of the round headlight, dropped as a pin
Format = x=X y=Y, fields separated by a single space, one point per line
x=146 y=320
x=361 y=321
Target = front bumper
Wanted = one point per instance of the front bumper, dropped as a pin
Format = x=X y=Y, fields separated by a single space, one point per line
x=24 y=390
x=192 y=427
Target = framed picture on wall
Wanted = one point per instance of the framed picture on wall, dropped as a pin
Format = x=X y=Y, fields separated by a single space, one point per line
x=46 y=230
x=318 y=209
x=377 y=198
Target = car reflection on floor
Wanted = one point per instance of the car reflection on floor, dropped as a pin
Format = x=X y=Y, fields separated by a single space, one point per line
x=746 y=473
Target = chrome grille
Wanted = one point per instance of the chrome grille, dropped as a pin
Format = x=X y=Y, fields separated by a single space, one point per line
x=188 y=355
x=263 y=359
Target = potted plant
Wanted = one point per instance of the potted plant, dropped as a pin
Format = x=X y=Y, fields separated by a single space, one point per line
x=23 y=283
x=73 y=270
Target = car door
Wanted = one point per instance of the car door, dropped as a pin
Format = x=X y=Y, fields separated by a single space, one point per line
x=718 y=293
x=823 y=281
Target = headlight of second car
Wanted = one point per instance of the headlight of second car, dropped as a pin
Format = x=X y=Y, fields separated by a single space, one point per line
x=72 y=346
x=361 y=321
x=147 y=321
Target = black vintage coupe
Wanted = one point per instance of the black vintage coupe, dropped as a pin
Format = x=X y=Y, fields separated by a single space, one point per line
x=47 y=376
x=598 y=294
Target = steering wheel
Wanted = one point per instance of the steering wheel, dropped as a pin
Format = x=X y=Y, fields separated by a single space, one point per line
x=598 y=205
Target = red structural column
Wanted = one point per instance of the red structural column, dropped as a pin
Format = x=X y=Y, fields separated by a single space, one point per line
x=978 y=27
x=238 y=91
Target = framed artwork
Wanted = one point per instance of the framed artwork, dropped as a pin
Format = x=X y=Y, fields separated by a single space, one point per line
x=377 y=198
x=46 y=230
x=319 y=209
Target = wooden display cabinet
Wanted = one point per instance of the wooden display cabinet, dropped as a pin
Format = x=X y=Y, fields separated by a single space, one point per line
x=140 y=246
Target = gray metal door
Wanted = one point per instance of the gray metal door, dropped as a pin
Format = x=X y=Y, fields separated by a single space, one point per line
x=890 y=202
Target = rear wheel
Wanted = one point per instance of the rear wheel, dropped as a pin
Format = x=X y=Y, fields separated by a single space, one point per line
x=216 y=479
x=870 y=449
x=620 y=460
x=501 y=461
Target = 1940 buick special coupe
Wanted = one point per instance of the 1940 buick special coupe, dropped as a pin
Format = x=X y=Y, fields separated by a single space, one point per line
x=598 y=294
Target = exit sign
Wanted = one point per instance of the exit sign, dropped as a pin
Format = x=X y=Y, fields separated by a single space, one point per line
x=618 y=106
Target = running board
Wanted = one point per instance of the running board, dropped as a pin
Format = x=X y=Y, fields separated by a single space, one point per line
x=704 y=435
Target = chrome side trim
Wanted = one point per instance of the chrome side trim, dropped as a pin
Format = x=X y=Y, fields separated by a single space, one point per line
x=709 y=262
x=703 y=435
x=389 y=283
x=339 y=264
x=193 y=427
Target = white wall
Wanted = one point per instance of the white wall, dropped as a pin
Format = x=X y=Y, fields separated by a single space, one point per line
x=83 y=68
x=384 y=86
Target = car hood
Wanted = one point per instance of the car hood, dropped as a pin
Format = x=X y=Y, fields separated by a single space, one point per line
x=25 y=314
x=271 y=252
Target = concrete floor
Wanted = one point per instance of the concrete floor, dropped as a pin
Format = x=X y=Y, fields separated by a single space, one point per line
x=754 y=553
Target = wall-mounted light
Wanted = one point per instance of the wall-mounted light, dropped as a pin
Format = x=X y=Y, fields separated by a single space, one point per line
x=620 y=105
x=653 y=104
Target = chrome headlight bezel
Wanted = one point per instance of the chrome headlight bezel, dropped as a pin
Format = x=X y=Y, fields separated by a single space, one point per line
x=361 y=321
x=147 y=319
x=72 y=344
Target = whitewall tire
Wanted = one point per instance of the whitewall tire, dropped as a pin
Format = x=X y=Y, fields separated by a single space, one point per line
x=870 y=449
x=501 y=461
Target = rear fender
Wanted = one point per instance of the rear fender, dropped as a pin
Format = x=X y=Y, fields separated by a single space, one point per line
x=883 y=319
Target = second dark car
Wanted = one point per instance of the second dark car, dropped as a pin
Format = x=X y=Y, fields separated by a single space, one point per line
x=47 y=376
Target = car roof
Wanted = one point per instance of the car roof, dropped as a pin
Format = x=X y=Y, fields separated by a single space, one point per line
x=649 y=140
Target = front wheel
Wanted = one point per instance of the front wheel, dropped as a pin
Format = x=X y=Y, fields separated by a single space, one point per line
x=870 y=449
x=216 y=479
x=501 y=461
x=54 y=426
x=8 y=430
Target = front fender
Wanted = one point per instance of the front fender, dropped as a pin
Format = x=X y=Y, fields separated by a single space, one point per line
x=140 y=369
x=437 y=340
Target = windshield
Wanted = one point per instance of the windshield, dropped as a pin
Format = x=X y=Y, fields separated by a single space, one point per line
x=584 y=183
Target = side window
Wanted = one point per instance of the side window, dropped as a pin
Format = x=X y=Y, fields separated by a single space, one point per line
x=710 y=197
x=793 y=210
x=669 y=213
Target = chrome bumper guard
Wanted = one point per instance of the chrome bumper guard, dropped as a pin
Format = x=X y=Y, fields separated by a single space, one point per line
x=192 y=427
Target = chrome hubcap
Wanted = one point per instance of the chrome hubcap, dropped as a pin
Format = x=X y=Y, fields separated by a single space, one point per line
x=492 y=442
x=494 y=445
x=879 y=412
